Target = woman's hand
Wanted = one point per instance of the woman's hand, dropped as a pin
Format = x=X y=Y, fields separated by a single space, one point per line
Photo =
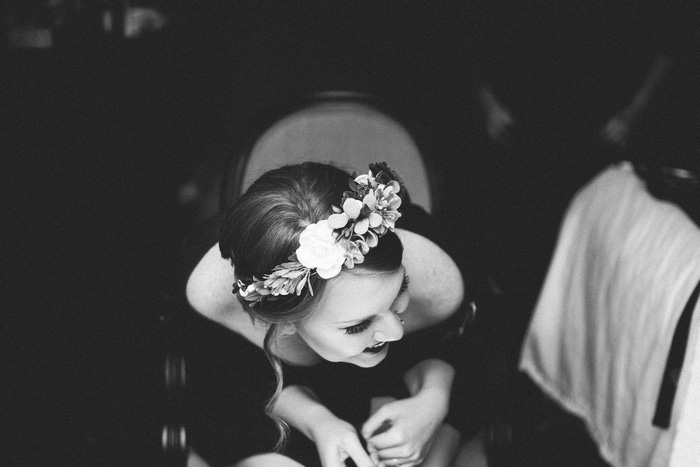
x=413 y=421
x=337 y=440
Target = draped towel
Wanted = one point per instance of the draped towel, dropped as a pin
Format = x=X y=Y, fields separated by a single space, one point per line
x=623 y=269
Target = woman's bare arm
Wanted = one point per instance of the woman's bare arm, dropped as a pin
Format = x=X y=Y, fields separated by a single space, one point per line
x=437 y=286
x=209 y=293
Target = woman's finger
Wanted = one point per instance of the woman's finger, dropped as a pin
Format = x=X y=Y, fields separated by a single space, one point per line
x=388 y=439
x=400 y=452
x=358 y=455
x=378 y=423
x=398 y=462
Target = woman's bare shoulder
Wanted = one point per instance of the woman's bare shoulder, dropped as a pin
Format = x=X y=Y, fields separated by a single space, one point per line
x=208 y=291
x=209 y=285
x=437 y=286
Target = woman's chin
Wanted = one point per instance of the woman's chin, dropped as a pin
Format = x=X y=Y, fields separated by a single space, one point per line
x=371 y=356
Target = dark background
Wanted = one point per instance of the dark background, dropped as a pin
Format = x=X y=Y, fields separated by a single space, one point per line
x=99 y=132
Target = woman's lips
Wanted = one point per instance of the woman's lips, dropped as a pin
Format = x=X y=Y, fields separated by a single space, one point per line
x=376 y=348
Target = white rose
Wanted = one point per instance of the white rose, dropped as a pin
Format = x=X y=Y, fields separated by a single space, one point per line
x=318 y=249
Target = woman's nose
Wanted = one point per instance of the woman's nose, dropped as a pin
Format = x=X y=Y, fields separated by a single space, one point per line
x=390 y=329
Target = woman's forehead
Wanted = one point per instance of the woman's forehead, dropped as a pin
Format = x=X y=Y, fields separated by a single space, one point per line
x=352 y=295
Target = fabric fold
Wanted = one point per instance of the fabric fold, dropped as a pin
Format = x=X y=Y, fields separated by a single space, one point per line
x=623 y=269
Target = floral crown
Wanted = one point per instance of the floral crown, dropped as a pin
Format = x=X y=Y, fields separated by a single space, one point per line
x=368 y=211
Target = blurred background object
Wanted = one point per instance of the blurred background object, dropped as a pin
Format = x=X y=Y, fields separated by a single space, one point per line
x=38 y=24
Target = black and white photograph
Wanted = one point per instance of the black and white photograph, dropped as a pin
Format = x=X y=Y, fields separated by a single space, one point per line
x=350 y=233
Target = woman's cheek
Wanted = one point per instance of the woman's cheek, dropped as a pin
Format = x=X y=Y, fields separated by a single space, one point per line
x=402 y=303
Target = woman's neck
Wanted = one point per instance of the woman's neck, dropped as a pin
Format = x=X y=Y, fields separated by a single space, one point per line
x=294 y=350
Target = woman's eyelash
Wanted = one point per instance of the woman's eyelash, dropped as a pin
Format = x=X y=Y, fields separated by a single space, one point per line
x=358 y=327
x=404 y=284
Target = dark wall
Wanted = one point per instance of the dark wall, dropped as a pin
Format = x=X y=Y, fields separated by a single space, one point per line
x=99 y=132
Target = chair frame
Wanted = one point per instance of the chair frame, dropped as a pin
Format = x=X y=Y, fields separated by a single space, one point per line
x=232 y=183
